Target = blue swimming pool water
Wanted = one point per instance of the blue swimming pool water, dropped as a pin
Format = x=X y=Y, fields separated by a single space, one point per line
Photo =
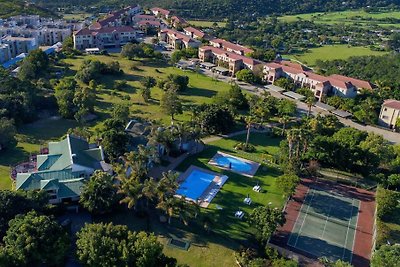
x=236 y=164
x=195 y=184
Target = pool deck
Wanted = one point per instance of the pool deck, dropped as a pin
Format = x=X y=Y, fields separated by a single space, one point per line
x=211 y=191
x=251 y=173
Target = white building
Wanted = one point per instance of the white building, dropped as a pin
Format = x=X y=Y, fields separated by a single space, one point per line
x=19 y=45
x=390 y=113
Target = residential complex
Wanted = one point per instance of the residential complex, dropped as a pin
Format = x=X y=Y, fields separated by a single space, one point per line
x=232 y=61
x=19 y=45
x=106 y=37
x=161 y=12
x=178 y=40
x=63 y=171
x=194 y=33
x=320 y=85
x=21 y=34
x=230 y=47
x=390 y=113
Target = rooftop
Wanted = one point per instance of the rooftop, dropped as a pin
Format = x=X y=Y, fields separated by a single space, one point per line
x=391 y=103
x=236 y=47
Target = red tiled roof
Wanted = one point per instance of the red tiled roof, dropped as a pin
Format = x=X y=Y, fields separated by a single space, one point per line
x=231 y=55
x=144 y=16
x=391 y=103
x=150 y=22
x=293 y=65
x=232 y=46
x=179 y=35
x=161 y=10
x=340 y=84
x=84 y=31
x=195 y=31
x=177 y=19
x=356 y=82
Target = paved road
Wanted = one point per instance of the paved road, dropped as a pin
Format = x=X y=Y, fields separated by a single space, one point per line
x=302 y=108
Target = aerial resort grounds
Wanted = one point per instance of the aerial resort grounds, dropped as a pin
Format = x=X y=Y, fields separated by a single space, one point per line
x=219 y=229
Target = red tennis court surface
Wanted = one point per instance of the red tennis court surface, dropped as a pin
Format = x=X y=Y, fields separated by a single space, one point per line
x=362 y=246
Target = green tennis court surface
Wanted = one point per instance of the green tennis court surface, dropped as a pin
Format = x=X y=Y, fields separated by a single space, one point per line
x=326 y=225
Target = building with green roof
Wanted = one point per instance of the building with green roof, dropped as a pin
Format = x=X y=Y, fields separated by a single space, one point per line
x=63 y=172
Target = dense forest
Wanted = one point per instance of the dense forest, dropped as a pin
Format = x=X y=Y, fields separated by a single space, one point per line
x=219 y=9
x=17 y=7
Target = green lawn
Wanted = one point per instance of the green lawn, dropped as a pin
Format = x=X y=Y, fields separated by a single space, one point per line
x=237 y=186
x=331 y=52
x=359 y=17
x=217 y=248
x=31 y=136
x=205 y=23
x=75 y=16
x=201 y=87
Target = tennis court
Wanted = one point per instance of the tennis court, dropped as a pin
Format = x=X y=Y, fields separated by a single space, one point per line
x=326 y=225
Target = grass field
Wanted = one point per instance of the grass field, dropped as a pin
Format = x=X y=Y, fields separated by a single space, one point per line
x=237 y=186
x=216 y=248
x=359 y=17
x=75 y=16
x=205 y=23
x=331 y=52
x=31 y=136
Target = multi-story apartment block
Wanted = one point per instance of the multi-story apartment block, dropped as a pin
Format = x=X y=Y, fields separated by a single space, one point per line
x=232 y=61
x=106 y=37
x=321 y=85
x=5 y=53
x=230 y=47
x=178 y=40
x=19 y=45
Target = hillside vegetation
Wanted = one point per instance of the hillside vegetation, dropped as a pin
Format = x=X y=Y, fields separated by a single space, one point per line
x=16 y=7
x=219 y=9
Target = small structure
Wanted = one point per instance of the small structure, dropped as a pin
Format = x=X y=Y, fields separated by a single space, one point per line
x=390 y=113
x=275 y=88
x=294 y=95
x=239 y=214
x=221 y=70
x=342 y=113
x=324 y=106
x=207 y=65
x=92 y=51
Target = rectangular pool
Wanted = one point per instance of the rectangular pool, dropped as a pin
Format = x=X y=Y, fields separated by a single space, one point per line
x=235 y=164
x=195 y=183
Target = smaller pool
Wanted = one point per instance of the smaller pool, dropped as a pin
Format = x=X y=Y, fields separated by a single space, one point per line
x=235 y=164
x=195 y=184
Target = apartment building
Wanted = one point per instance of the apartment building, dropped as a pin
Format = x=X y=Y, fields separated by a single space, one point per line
x=178 y=40
x=5 y=53
x=230 y=60
x=107 y=37
x=390 y=113
x=194 y=33
x=160 y=12
x=230 y=47
x=19 y=45
x=340 y=85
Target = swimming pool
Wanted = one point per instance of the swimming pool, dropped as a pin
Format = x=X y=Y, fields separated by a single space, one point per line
x=234 y=164
x=195 y=184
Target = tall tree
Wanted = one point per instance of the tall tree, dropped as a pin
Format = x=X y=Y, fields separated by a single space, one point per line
x=99 y=194
x=265 y=220
x=34 y=239
x=171 y=104
x=7 y=134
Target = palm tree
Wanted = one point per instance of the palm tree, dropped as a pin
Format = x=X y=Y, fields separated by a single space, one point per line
x=310 y=101
x=249 y=122
x=149 y=190
x=168 y=206
x=284 y=120
x=129 y=186
x=181 y=130
x=167 y=186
